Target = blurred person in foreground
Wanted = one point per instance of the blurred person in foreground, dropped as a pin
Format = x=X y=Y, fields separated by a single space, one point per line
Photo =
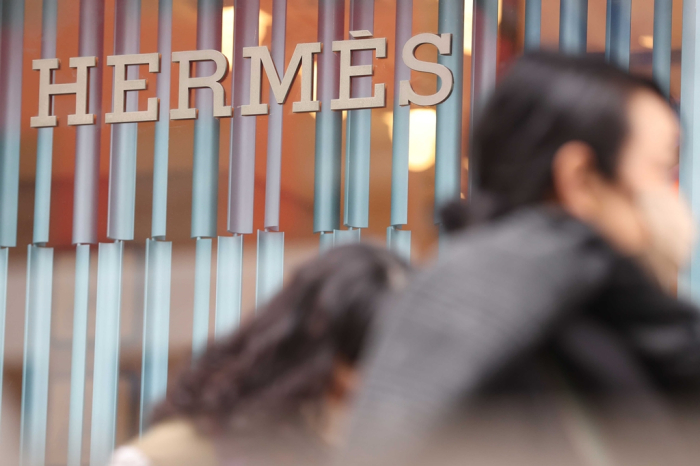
x=275 y=392
x=544 y=335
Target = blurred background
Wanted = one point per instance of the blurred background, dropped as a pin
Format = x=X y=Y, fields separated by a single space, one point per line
x=297 y=185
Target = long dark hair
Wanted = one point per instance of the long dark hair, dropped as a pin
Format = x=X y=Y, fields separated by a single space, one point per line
x=545 y=100
x=282 y=360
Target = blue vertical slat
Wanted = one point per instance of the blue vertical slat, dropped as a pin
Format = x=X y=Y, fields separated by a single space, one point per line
x=37 y=346
x=156 y=325
x=229 y=271
x=270 y=267
x=202 y=282
x=573 y=23
x=106 y=364
x=661 y=55
x=448 y=147
x=618 y=33
x=533 y=24
x=78 y=354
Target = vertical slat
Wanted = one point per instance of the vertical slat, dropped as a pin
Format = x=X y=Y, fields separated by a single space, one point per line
x=122 y=161
x=533 y=24
x=399 y=241
x=205 y=170
x=241 y=180
x=11 y=50
x=328 y=144
x=484 y=49
x=325 y=241
x=341 y=237
x=156 y=325
x=275 y=122
x=106 y=364
x=690 y=70
x=37 y=346
x=401 y=117
x=270 y=267
x=87 y=137
x=202 y=281
x=229 y=271
x=661 y=55
x=162 y=130
x=619 y=29
x=78 y=354
x=4 y=258
x=448 y=147
x=573 y=21
x=44 y=144
x=359 y=126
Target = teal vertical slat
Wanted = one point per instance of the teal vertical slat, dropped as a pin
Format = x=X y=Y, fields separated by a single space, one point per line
x=42 y=185
x=229 y=272
x=202 y=282
x=78 y=354
x=359 y=127
x=44 y=143
x=329 y=132
x=399 y=241
x=401 y=118
x=4 y=259
x=325 y=241
x=122 y=160
x=533 y=24
x=661 y=55
x=689 y=280
x=448 y=147
x=37 y=346
x=573 y=23
x=618 y=32
x=162 y=131
x=156 y=325
x=106 y=364
x=11 y=52
x=270 y=267
x=205 y=168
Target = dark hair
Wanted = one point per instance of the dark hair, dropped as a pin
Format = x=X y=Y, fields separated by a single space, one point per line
x=283 y=359
x=545 y=100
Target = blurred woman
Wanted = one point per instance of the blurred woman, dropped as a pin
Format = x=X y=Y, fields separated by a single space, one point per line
x=275 y=392
x=544 y=325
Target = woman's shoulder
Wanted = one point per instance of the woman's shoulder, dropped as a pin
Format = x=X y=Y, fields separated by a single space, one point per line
x=171 y=443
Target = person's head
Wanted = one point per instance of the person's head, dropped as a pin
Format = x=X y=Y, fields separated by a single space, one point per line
x=578 y=132
x=299 y=353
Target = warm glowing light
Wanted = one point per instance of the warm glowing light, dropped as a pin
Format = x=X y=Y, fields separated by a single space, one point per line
x=646 y=41
x=468 y=21
x=264 y=23
x=421 y=137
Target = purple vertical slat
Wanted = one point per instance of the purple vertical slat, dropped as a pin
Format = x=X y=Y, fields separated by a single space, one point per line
x=122 y=160
x=275 y=122
x=87 y=137
x=241 y=180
